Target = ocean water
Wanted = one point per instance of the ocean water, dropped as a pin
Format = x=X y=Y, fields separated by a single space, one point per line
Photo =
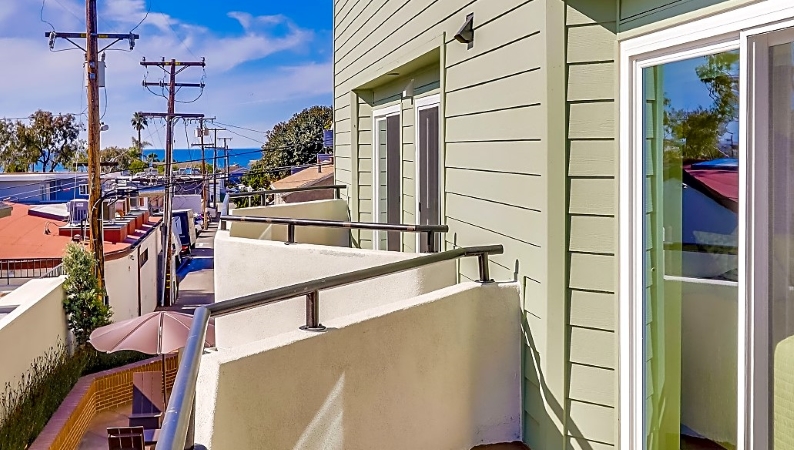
x=240 y=156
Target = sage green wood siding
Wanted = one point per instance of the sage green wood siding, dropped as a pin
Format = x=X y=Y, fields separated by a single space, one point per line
x=497 y=172
x=592 y=238
x=636 y=13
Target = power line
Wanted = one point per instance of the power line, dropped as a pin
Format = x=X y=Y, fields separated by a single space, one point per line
x=239 y=128
x=148 y=10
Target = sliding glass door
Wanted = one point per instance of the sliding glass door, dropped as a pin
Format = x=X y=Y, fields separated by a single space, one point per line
x=690 y=263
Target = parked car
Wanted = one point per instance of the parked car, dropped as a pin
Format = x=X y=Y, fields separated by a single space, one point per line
x=199 y=221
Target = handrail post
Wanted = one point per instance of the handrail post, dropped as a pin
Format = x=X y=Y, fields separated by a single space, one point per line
x=485 y=275
x=313 y=312
x=223 y=225
x=290 y=233
x=337 y=193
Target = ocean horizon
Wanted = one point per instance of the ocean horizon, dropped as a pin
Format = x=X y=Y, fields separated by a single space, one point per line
x=237 y=156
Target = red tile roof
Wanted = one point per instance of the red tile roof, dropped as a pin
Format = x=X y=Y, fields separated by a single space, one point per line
x=720 y=184
x=22 y=236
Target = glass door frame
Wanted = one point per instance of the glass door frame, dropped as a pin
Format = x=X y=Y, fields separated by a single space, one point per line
x=421 y=104
x=378 y=115
x=748 y=29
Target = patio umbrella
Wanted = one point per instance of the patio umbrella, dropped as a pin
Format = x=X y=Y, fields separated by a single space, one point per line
x=155 y=333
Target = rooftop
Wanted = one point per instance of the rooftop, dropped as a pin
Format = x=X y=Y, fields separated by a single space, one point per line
x=24 y=236
x=306 y=177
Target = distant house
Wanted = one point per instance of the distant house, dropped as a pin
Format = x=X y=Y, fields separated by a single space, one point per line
x=321 y=175
x=39 y=188
x=710 y=220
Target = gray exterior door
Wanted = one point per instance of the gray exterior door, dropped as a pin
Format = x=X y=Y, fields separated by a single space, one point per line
x=429 y=212
x=393 y=179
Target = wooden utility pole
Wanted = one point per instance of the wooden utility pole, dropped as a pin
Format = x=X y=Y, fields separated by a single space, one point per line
x=204 y=179
x=215 y=167
x=92 y=65
x=168 y=255
x=94 y=179
x=205 y=220
x=226 y=156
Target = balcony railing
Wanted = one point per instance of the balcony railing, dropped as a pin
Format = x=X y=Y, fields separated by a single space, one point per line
x=263 y=194
x=13 y=269
x=429 y=230
x=177 y=420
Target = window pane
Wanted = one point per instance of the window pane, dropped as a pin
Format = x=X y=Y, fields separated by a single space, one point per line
x=382 y=187
x=781 y=230
x=690 y=222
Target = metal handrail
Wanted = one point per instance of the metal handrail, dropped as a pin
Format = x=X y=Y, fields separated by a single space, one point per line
x=179 y=412
x=336 y=187
x=291 y=223
x=27 y=268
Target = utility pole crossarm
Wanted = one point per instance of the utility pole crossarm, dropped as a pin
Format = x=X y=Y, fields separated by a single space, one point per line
x=174 y=63
x=164 y=84
x=99 y=36
x=167 y=115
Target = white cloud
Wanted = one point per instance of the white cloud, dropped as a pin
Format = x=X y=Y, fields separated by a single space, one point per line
x=54 y=81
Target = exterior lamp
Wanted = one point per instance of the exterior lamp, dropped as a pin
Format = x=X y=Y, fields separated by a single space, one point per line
x=466 y=33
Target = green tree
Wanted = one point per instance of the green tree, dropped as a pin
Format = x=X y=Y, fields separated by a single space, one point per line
x=53 y=139
x=84 y=300
x=294 y=142
x=139 y=122
x=13 y=156
x=695 y=134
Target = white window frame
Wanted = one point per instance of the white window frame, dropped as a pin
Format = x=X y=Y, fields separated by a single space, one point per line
x=377 y=115
x=82 y=189
x=428 y=102
x=722 y=32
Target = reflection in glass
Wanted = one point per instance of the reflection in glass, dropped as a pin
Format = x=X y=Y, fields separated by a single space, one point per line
x=691 y=258
x=781 y=246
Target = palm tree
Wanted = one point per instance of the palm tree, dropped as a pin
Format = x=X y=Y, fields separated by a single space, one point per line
x=139 y=122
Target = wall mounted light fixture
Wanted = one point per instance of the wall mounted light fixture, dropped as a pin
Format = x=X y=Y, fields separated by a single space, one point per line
x=466 y=33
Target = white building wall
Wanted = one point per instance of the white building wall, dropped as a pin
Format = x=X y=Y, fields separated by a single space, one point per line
x=440 y=371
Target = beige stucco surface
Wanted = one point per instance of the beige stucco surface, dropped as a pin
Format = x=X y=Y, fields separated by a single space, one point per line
x=319 y=209
x=36 y=326
x=439 y=371
x=121 y=279
x=247 y=266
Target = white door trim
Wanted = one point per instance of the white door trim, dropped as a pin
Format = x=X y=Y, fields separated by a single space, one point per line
x=728 y=30
x=431 y=101
x=377 y=115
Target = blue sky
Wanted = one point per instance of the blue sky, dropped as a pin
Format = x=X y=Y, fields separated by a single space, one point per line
x=266 y=60
x=685 y=90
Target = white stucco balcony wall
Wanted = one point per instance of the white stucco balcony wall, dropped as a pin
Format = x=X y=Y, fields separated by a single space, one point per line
x=36 y=326
x=318 y=209
x=248 y=266
x=438 y=371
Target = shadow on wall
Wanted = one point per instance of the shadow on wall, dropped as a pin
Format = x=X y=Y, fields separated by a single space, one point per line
x=440 y=371
x=535 y=394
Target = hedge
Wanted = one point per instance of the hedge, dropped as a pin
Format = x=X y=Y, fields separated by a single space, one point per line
x=25 y=410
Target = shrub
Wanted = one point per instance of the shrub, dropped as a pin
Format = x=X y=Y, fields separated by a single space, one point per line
x=24 y=411
x=84 y=302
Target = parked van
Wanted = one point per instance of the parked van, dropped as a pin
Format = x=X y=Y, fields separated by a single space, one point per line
x=186 y=227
